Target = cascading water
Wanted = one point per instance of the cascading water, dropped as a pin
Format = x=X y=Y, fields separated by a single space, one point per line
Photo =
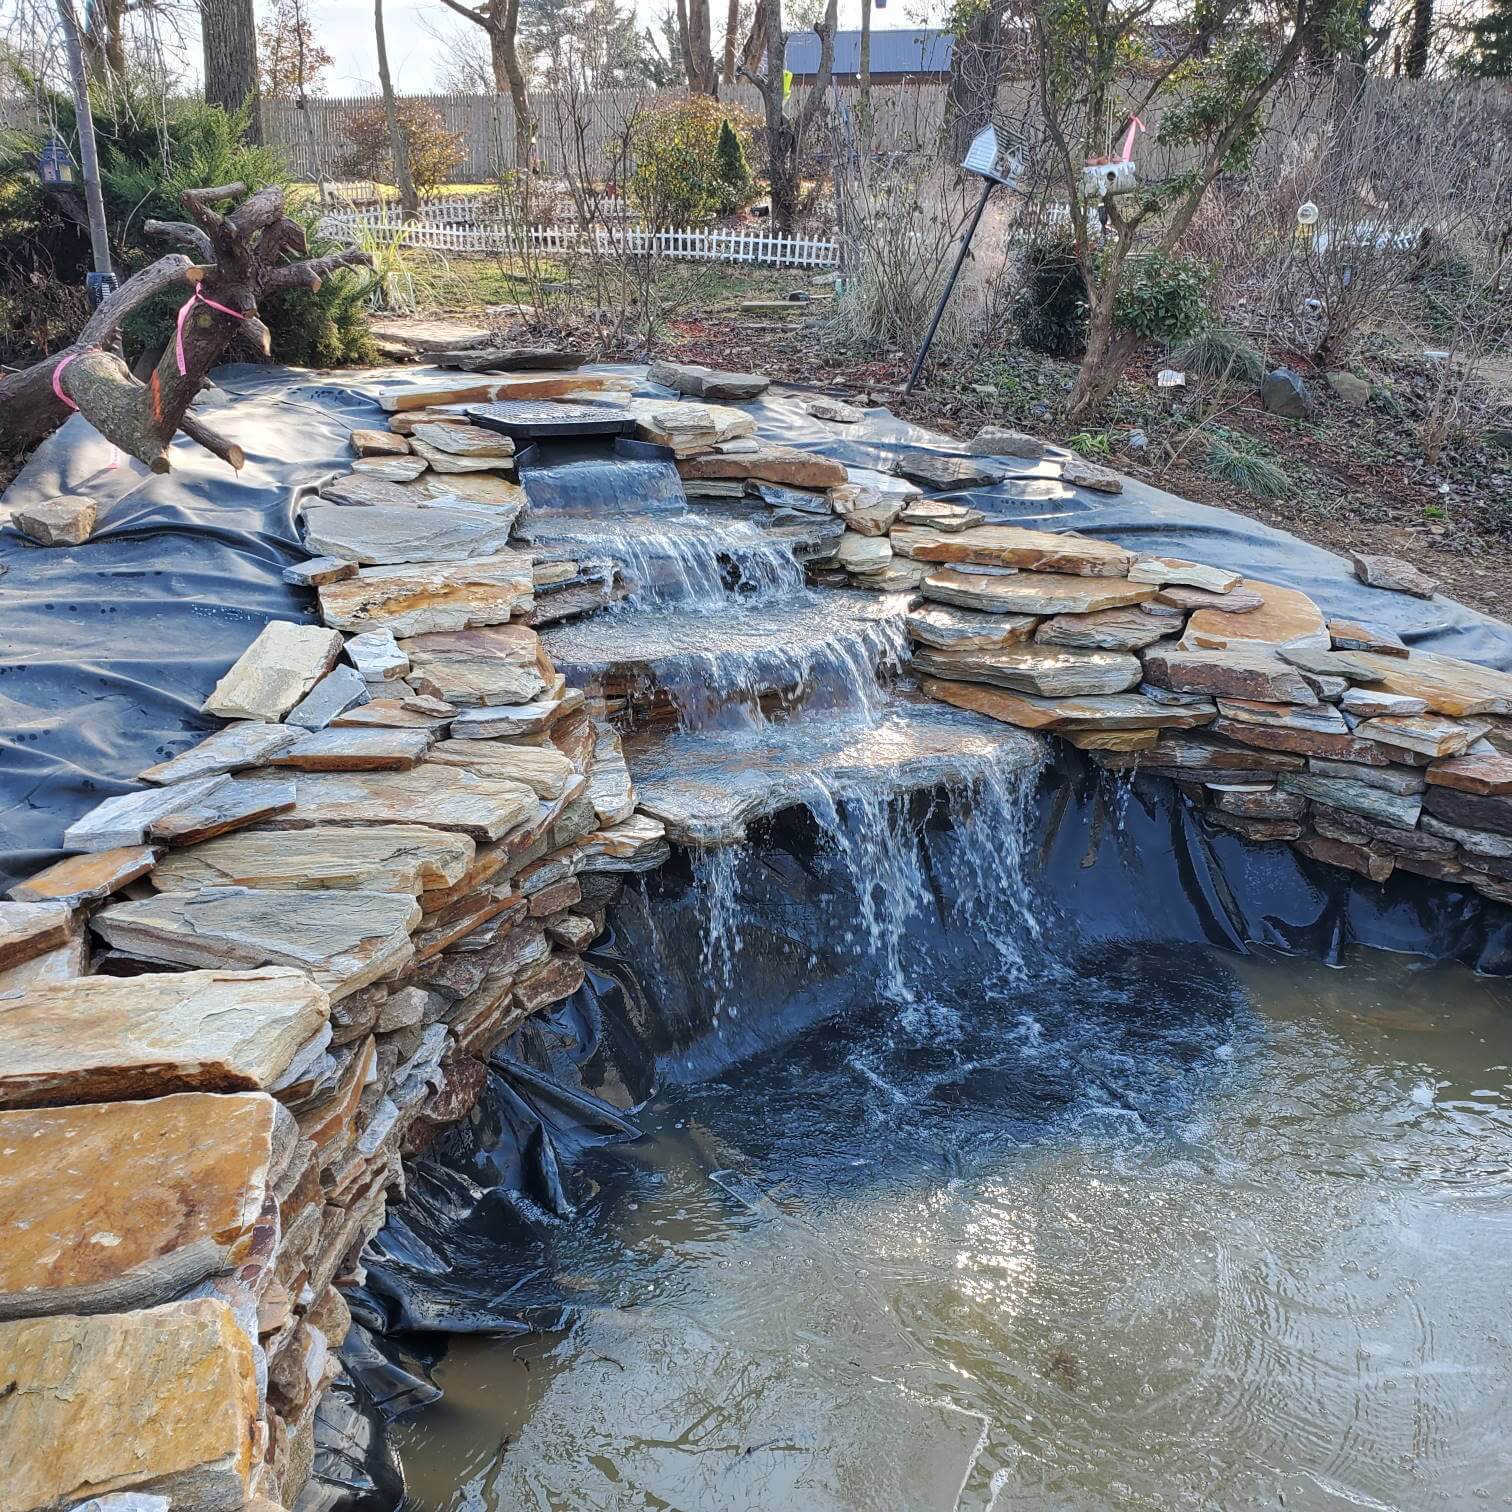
x=765 y=679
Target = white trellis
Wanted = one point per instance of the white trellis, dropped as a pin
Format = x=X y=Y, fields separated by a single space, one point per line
x=467 y=224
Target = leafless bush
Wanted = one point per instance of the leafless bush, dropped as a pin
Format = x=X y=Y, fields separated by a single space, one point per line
x=1403 y=175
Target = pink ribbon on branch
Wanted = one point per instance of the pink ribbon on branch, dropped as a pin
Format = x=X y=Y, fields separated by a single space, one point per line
x=183 y=315
x=57 y=388
x=1126 y=151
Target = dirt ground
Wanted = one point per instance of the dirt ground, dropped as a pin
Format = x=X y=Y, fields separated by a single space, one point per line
x=1358 y=483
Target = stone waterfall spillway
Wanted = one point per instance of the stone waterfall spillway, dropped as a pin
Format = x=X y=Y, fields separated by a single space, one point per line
x=744 y=691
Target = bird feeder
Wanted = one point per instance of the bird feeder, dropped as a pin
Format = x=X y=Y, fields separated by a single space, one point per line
x=1307 y=220
x=1102 y=177
x=54 y=165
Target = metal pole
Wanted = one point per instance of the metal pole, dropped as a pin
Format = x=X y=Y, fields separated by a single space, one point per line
x=84 y=120
x=987 y=187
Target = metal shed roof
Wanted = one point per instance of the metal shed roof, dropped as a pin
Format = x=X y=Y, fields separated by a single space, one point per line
x=892 y=52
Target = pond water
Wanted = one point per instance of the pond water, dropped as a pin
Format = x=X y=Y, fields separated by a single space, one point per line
x=1159 y=1228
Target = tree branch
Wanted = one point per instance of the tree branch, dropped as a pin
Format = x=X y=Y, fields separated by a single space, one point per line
x=167 y=271
x=185 y=234
x=307 y=275
x=228 y=451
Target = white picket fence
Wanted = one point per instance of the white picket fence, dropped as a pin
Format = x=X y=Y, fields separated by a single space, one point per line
x=469 y=223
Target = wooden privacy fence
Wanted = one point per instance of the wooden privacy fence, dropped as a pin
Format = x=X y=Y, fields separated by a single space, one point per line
x=588 y=131
x=443 y=229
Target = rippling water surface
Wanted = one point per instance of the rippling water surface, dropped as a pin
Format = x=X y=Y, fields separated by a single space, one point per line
x=1165 y=1230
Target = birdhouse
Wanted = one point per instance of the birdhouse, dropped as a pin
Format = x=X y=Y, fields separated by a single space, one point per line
x=1105 y=176
x=1098 y=180
x=54 y=165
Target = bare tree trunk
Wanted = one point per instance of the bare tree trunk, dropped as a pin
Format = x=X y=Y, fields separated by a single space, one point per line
x=229 y=32
x=104 y=37
x=784 y=133
x=500 y=20
x=863 y=67
x=976 y=65
x=695 y=24
x=731 y=41
x=1421 y=36
x=409 y=201
x=99 y=241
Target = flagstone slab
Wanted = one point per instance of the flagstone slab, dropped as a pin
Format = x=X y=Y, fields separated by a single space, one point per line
x=1396 y=809
x=1285 y=618
x=486 y=489
x=344 y=940
x=1127 y=629
x=377 y=657
x=1045 y=593
x=1300 y=737
x=863 y=554
x=361 y=490
x=274 y=672
x=1032 y=550
x=387 y=535
x=493 y=665
x=1426 y=734
x=231 y=806
x=445 y=462
x=402 y=858
x=766 y=462
x=940 y=515
x=420 y=598
x=87 y=878
x=1175 y=571
x=355 y=750
x=61 y=964
x=440 y=797
x=342 y=688
x=1446 y=684
x=513 y=720
x=1117 y=711
x=932 y=470
x=1235 y=601
x=1235 y=673
x=1050 y=671
x=416 y=712
x=1490 y=775
x=318 y=570
x=463 y=440
x=142 y=1199
x=948 y=628
x=101 y=1038
x=1349 y=635
x=542 y=768
x=247 y=743
x=124 y=820
x=28 y=930
x=544 y=386
x=1471 y=811
x=1082 y=474
x=391 y=469
x=378 y=443
x=163 y=1400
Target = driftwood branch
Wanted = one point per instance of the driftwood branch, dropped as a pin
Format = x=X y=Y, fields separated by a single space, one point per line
x=241 y=257
x=228 y=451
x=308 y=275
x=185 y=234
x=132 y=295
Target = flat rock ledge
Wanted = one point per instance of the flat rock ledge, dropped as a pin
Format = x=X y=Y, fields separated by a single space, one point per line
x=273 y=970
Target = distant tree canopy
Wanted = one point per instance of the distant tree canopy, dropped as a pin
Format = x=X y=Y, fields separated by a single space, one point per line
x=290 y=60
x=1490 y=53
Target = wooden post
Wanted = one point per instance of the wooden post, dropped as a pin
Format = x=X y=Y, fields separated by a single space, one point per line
x=99 y=242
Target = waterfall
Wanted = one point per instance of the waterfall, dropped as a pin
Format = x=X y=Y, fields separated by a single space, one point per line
x=897 y=876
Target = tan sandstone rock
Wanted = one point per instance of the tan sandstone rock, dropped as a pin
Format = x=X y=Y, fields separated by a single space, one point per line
x=1033 y=550
x=275 y=672
x=115 y=1205
x=159 y=1401
x=100 y=1038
